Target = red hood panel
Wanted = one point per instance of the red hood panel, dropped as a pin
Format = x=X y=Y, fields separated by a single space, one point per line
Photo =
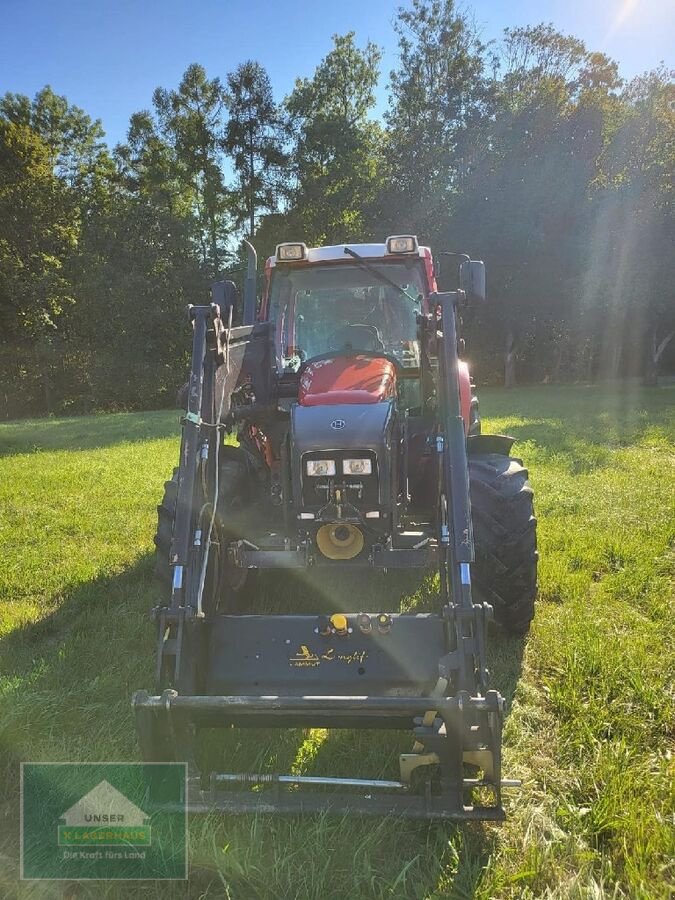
x=347 y=379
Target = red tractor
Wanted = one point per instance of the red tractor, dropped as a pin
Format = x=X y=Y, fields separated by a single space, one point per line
x=358 y=447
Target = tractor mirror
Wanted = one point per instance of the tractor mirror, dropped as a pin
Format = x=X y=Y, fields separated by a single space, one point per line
x=472 y=278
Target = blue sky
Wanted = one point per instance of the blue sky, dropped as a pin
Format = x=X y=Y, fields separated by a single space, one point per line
x=107 y=56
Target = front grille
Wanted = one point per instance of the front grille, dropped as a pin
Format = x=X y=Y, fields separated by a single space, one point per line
x=362 y=491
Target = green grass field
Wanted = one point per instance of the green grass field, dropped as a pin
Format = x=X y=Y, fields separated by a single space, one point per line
x=590 y=730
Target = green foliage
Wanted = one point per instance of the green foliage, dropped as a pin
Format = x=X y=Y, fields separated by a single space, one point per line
x=254 y=137
x=38 y=234
x=530 y=153
x=51 y=161
x=189 y=120
x=336 y=156
x=634 y=197
x=439 y=96
x=131 y=348
x=75 y=142
x=578 y=269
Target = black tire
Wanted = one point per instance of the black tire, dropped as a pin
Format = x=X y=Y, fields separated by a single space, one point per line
x=233 y=497
x=505 y=537
x=166 y=512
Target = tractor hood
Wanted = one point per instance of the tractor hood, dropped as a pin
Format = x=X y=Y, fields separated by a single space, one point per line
x=345 y=427
x=344 y=431
x=346 y=380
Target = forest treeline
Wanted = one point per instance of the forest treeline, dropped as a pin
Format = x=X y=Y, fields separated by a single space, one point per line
x=531 y=153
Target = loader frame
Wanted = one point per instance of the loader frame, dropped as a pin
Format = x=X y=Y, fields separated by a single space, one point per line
x=454 y=718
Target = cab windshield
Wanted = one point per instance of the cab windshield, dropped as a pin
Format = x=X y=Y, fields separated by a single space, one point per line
x=324 y=309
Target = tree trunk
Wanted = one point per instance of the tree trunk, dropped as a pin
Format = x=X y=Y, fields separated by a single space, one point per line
x=590 y=360
x=650 y=376
x=616 y=360
x=45 y=368
x=557 y=366
x=214 y=251
x=251 y=200
x=510 y=360
x=653 y=354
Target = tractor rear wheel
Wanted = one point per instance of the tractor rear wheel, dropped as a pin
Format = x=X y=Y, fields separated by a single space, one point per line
x=228 y=585
x=505 y=537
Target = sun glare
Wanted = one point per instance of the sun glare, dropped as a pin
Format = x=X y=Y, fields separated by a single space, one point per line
x=634 y=13
x=625 y=11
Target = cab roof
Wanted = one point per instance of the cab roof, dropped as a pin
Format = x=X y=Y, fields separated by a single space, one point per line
x=337 y=253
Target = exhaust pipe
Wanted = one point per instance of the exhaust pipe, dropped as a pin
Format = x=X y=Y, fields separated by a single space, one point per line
x=250 y=286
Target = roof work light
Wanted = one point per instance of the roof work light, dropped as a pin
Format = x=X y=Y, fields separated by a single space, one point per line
x=402 y=243
x=291 y=252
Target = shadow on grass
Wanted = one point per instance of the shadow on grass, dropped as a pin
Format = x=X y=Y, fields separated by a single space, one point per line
x=87 y=432
x=67 y=681
x=67 y=678
x=328 y=590
x=583 y=423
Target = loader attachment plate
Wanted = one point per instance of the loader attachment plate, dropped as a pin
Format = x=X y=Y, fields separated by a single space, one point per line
x=286 y=655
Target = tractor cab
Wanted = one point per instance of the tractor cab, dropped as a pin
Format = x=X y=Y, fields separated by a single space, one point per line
x=331 y=305
x=336 y=304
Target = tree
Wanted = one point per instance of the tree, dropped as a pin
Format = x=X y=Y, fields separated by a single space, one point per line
x=634 y=220
x=74 y=140
x=337 y=149
x=525 y=203
x=149 y=169
x=38 y=233
x=137 y=271
x=190 y=121
x=52 y=167
x=254 y=137
x=532 y=155
x=440 y=95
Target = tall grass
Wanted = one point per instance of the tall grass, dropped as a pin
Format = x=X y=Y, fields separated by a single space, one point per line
x=591 y=726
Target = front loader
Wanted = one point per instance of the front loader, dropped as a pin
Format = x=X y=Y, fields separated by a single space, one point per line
x=358 y=448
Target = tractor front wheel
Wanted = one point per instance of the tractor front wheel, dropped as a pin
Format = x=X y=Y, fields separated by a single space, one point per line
x=225 y=585
x=166 y=512
x=505 y=538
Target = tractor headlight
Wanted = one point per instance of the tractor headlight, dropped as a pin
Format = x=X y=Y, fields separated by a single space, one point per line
x=357 y=466
x=319 y=468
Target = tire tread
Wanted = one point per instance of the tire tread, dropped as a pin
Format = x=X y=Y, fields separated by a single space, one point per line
x=505 y=536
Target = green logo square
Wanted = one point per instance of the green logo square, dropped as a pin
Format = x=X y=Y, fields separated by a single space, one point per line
x=85 y=821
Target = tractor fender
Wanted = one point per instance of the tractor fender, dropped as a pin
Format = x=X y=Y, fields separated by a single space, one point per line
x=464 y=393
x=480 y=444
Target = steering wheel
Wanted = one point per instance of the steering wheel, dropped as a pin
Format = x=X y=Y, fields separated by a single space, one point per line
x=360 y=337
